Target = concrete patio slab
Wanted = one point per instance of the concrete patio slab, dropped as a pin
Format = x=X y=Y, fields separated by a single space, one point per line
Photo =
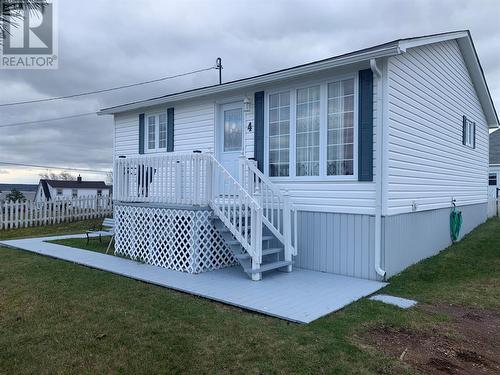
x=403 y=303
x=300 y=296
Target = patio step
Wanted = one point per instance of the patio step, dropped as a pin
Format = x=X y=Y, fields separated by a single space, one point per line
x=274 y=250
x=268 y=266
x=214 y=217
x=236 y=242
x=243 y=258
x=223 y=229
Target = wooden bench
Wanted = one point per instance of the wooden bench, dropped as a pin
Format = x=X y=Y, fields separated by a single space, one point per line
x=107 y=223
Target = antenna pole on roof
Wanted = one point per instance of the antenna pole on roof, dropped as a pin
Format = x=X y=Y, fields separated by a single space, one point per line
x=218 y=66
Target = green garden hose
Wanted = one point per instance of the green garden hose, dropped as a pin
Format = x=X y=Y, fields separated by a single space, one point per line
x=455 y=224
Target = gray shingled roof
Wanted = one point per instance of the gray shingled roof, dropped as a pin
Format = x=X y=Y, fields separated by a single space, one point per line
x=20 y=187
x=495 y=147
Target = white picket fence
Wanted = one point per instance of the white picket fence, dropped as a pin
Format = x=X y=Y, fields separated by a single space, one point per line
x=31 y=213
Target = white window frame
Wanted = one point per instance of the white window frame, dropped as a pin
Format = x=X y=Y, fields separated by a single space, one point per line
x=267 y=136
x=74 y=193
x=157 y=148
x=323 y=83
x=59 y=191
x=469 y=133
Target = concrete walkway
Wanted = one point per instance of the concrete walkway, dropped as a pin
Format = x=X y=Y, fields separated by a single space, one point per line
x=300 y=296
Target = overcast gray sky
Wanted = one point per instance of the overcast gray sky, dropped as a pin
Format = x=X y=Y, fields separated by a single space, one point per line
x=108 y=43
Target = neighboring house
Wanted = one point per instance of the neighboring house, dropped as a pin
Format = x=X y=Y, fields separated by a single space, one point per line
x=494 y=176
x=360 y=158
x=28 y=190
x=494 y=173
x=60 y=189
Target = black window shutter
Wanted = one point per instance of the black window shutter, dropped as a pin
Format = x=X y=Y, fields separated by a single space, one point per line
x=258 y=151
x=365 y=126
x=141 y=133
x=170 y=130
x=474 y=135
x=464 y=128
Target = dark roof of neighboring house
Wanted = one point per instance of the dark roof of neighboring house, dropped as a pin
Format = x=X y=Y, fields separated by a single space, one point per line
x=45 y=188
x=77 y=184
x=495 y=147
x=20 y=187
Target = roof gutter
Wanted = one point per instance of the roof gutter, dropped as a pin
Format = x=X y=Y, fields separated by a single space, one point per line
x=258 y=80
x=378 y=168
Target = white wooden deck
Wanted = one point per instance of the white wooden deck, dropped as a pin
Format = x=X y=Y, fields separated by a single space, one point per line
x=300 y=296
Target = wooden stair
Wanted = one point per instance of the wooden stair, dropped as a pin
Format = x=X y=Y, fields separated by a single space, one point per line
x=272 y=256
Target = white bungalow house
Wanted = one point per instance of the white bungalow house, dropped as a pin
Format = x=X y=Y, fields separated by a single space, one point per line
x=60 y=189
x=348 y=165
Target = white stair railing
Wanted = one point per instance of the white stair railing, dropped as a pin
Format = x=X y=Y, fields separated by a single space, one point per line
x=236 y=208
x=277 y=210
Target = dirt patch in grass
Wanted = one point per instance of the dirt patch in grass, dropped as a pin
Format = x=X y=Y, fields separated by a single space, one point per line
x=468 y=342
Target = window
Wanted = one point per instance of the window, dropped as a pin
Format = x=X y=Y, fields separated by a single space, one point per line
x=312 y=131
x=156 y=132
x=74 y=193
x=99 y=193
x=469 y=133
x=307 y=131
x=162 y=121
x=233 y=130
x=59 y=191
x=492 y=179
x=340 y=125
x=279 y=134
x=151 y=132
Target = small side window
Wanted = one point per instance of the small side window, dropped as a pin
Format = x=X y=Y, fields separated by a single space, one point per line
x=99 y=193
x=468 y=132
x=59 y=191
x=74 y=193
x=492 y=179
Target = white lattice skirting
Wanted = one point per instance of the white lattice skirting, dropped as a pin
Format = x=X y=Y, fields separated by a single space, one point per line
x=177 y=239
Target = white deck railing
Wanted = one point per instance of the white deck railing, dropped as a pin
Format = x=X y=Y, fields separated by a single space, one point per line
x=277 y=210
x=166 y=178
x=192 y=179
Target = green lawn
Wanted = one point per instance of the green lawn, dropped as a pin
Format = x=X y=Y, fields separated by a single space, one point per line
x=94 y=244
x=58 y=317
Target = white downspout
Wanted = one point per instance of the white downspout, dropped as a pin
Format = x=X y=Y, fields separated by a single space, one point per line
x=378 y=169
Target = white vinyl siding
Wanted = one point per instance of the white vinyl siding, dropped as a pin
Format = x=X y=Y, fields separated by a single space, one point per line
x=194 y=126
x=126 y=137
x=429 y=92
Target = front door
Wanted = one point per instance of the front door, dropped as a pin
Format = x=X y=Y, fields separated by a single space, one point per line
x=230 y=136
